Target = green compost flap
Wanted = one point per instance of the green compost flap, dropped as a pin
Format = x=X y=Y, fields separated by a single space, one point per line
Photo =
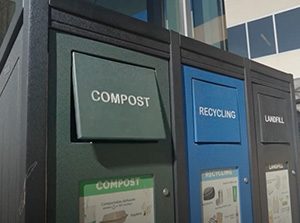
x=115 y=100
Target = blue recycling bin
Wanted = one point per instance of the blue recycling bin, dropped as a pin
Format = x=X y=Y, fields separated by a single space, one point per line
x=217 y=148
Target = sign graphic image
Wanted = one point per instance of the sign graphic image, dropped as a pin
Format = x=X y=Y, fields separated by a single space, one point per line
x=220 y=196
x=117 y=200
x=278 y=192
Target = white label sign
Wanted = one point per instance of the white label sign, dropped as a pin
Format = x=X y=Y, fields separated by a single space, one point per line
x=274 y=119
x=117 y=200
x=278 y=192
x=217 y=113
x=120 y=99
x=220 y=196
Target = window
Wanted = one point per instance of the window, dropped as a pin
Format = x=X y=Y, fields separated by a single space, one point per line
x=133 y=8
x=261 y=37
x=172 y=15
x=288 y=30
x=209 y=22
x=237 y=40
x=7 y=10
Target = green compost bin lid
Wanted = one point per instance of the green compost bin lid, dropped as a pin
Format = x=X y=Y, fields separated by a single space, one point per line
x=115 y=100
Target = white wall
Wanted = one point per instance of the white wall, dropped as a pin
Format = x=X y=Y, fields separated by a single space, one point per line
x=240 y=11
x=288 y=62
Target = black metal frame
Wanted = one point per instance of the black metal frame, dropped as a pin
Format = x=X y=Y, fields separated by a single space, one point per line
x=201 y=55
x=35 y=71
x=11 y=34
x=178 y=133
x=253 y=155
x=154 y=41
x=30 y=23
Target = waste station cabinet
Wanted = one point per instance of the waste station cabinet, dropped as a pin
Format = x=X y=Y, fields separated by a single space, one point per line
x=104 y=118
x=274 y=143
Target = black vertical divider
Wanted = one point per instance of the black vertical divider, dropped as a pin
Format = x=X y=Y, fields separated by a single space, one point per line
x=178 y=133
x=252 y=144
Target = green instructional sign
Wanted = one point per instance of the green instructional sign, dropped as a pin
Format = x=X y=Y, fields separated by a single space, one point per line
x=115 y=100
x=117 y=200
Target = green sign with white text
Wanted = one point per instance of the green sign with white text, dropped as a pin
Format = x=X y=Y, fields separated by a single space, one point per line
x=112 y=185
x=115 y=100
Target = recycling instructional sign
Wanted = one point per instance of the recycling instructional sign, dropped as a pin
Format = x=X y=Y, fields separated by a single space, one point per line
x=220 y=196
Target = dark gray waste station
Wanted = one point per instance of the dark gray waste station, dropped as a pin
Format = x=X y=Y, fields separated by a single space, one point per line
x=93 y=128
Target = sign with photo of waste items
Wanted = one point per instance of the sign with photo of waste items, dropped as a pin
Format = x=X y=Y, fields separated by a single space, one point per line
x=278 y=192
x=220 y=196
x=117 y=200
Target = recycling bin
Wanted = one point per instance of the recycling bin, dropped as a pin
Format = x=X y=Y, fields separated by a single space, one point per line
x=217 y=165
x=273 y=131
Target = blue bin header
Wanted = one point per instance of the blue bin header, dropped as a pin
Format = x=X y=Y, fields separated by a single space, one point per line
x=216 y=114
